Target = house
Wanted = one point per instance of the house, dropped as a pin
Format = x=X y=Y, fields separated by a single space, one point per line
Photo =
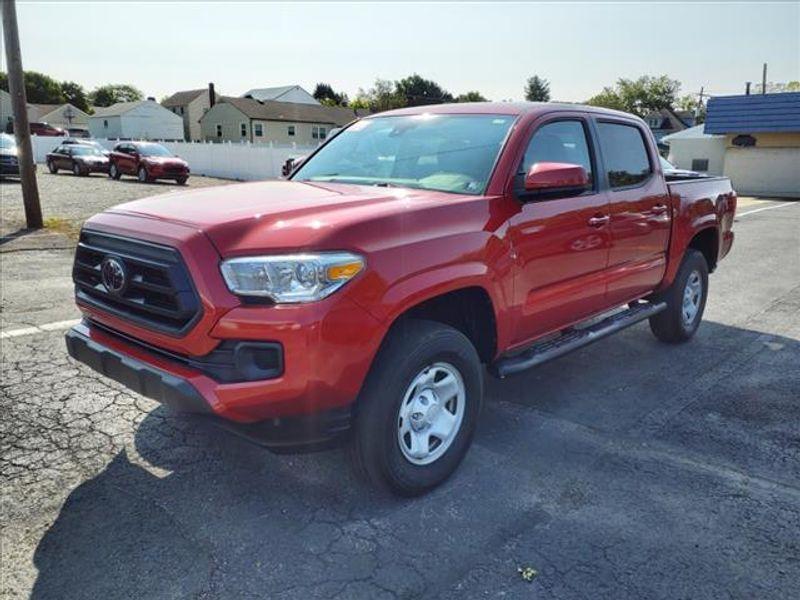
x=191 y=105
x=285 y=93
x=247 y=119
x=666 y=122
x=141 y=120
x=695 y=150
x=6 y=111
x=762 y=141
x=65 y=115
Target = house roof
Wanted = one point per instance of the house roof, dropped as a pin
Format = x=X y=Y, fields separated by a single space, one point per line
x=117 y=109
x=274 y=93
x=270 y=110
x=183 y=98
x=753 y=113
x=676 y=121
x=693 y=133
x=44 y=110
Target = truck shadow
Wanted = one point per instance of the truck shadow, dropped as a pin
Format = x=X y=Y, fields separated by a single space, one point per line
x=198 y=511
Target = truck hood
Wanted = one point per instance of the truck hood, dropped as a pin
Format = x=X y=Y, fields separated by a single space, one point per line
x=278 y=215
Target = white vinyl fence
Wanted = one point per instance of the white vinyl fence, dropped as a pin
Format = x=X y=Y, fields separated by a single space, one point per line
x=244 y=161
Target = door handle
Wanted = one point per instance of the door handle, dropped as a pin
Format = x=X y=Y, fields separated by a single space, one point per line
x=598 y=220
x=659 y=209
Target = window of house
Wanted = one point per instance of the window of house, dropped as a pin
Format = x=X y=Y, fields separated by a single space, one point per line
x=315 y=132
x=290 y=130
x=219 y=130
x=562 y=142
x=243 y=129
x=258 y=129
x=323 y=133
x=700 y=164
x=181 y=109
x=624 y=153
x=105 y=123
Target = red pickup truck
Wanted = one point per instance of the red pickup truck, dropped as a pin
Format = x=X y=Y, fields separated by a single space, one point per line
x=362 y=298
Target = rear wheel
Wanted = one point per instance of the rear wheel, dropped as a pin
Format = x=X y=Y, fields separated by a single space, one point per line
x=419 y=408
x=143 y=176
x=113 y=171
x=52 y=167
x=686 y=301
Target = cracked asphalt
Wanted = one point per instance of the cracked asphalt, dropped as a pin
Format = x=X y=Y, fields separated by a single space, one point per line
x=629 y=469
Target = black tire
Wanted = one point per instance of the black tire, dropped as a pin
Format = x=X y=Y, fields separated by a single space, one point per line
x=51 y=167
x=181 y=180
x=113 y=172
x=673 y=325
x=77 y=171
x=142 y=175
x=409 y=348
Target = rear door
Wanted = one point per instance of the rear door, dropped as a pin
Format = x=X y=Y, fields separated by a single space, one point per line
x=561 y=243
x=639 y=207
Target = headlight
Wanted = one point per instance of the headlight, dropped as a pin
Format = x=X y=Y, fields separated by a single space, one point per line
x=293 y=277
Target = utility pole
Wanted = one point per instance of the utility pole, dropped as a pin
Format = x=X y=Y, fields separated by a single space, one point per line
x=16 y=87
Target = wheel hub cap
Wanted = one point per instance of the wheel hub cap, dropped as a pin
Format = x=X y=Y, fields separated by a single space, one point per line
x=431 y=413
x=692 y=297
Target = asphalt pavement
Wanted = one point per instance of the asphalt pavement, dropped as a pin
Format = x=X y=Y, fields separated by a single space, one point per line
x=629 y=469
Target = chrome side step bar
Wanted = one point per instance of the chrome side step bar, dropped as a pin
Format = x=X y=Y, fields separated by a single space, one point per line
x=573 y=339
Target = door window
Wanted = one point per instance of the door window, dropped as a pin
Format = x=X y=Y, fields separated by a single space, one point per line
x=561 y=142
x=624 y=153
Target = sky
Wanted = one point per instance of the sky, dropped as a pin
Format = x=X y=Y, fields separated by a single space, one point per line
x=163 y=47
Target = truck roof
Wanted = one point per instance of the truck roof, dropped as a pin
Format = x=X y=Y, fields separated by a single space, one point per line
x=501 y=108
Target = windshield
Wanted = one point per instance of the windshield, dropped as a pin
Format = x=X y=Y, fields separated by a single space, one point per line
x=6 y=141
x=152 y=150
x=449 y=153
x=85 y=150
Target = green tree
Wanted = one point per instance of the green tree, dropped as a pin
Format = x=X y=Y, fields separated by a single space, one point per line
x=325 y=94
x=39 y=88
x=472 y=96
x=639 y=96
x=107 y=95
x=418 y=91
x=537 y=89
x=75 y=95
x=381 y=96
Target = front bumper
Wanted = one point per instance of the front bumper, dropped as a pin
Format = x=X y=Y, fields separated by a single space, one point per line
x=300 y=432
x=9 y=168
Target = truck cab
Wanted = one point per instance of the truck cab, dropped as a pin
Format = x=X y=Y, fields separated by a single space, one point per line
x=363 y=299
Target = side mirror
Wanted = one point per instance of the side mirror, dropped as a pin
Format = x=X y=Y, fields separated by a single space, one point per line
x=553 y=177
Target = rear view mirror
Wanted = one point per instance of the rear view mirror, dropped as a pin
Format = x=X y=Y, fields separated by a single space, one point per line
x=549 y=177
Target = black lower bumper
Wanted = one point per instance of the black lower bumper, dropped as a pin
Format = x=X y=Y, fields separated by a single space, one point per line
x=285 y=434
x=136 y=375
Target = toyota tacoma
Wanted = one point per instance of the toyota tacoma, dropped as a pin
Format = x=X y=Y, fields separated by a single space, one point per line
x=364 y=298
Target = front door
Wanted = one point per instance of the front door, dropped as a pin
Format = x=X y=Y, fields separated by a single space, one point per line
x=640 y=210
x=560 y=244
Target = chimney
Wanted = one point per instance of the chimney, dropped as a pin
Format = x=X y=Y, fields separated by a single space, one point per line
x=212 y=96
x=747 y=88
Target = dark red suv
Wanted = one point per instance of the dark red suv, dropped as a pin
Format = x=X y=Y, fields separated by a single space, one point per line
x=148 y=161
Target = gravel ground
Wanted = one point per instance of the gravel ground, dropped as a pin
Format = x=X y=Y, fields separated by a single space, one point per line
x=73 y=199
x=629 y=469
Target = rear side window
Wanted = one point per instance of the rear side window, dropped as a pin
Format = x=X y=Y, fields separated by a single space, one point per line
x=561 y=142
x=624 y=154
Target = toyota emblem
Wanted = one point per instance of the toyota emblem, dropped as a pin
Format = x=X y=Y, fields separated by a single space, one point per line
x=112 y=273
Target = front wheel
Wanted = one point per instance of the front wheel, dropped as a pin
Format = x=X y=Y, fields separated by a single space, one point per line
x=51 y=167
x=143 y=176
x=181 y=180
x=76 y=170
x=686 y=301
x=113 y=171
x=419 y=407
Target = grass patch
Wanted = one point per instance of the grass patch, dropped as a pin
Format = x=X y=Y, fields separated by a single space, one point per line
x=63 y=226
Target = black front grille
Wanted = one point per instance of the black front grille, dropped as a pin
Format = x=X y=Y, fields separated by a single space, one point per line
x=158 y=294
